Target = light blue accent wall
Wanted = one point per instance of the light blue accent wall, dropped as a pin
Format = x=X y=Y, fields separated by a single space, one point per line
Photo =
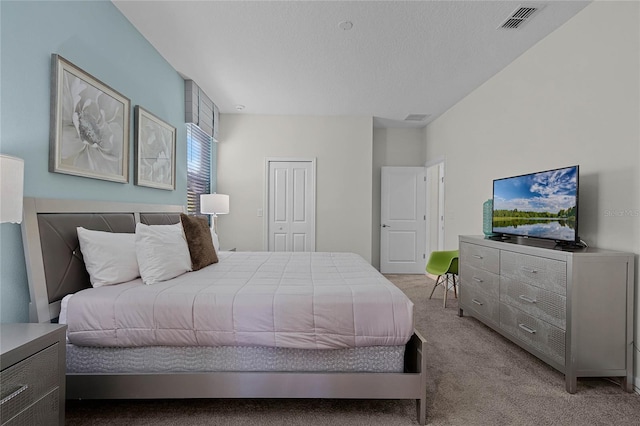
x=97 y=38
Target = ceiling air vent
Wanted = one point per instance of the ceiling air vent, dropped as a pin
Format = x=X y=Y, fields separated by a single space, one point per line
x=519 y=17
x=416 y=117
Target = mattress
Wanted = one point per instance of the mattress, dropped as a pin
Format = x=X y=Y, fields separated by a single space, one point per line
x=283 y=300
x=164 y=359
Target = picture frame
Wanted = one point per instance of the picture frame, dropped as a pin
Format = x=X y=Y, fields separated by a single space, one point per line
x=89 y=125
x=155 y=151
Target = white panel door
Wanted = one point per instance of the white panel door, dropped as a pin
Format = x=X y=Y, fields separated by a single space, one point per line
x=291 y=210
x=403 y=220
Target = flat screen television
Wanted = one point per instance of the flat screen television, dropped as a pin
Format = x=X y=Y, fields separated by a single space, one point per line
x=538 y=205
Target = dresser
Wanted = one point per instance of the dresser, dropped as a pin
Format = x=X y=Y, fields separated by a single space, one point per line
x=32 y=374
x=573 y=309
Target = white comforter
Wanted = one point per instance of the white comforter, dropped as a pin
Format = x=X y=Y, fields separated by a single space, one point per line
x=290 y=300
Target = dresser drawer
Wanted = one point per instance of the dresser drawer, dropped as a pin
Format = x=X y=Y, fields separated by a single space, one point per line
x=480 y=303
x=539 y=303
x=43 y=412
x=479 y=279
x=28 y=381
x=548 y=274
x=539 y=335
x=486 y=258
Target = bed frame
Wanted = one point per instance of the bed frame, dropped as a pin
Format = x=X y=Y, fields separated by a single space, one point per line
x=55 y=268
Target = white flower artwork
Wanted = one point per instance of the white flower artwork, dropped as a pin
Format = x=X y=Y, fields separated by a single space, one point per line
x=155 y=151
x=90 y=125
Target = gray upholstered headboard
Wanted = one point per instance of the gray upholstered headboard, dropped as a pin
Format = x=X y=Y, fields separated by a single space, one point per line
x=54 y=262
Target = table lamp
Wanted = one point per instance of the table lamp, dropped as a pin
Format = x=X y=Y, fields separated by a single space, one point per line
x=214 y=204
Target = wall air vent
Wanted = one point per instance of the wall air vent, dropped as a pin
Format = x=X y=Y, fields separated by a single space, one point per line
x=416 y=117
x=521 y=15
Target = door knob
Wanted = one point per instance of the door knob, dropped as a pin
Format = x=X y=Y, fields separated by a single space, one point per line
x=385 y=226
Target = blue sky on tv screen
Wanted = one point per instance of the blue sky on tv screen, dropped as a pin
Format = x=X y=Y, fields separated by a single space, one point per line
x=539 y=192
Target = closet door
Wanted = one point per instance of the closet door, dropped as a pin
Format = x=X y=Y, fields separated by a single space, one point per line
x=291 y=209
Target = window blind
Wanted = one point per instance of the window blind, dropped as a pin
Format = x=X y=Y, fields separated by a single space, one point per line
x=198 y=166
x=200 y=109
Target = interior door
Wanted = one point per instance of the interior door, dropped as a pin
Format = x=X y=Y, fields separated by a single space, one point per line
x=291 y=209
x=403 y=220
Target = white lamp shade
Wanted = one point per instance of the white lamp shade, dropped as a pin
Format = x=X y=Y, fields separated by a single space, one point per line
x=11 y=187
x=214 y=204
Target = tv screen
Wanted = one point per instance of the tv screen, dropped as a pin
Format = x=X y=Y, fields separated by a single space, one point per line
x=539 y=205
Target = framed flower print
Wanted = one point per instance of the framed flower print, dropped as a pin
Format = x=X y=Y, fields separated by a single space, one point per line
x=155 y=151
x=89 y=130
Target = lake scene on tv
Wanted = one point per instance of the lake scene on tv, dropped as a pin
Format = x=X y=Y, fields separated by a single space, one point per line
x=540 y=205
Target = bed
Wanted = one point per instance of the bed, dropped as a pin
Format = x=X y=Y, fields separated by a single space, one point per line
x=277 y=367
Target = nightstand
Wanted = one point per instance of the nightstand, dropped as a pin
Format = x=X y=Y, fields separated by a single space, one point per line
x=33 y=364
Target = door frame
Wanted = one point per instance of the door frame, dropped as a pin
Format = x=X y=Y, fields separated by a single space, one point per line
x=265 y=203
x=440 y=162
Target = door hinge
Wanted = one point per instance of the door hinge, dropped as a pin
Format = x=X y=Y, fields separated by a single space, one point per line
x=425 y=217
x=424 y=256
x=425 y=178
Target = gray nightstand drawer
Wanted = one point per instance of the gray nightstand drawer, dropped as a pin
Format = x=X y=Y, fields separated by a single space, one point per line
x=546 y=273
x=29 y=381
x=485 y=258
x=43 y=412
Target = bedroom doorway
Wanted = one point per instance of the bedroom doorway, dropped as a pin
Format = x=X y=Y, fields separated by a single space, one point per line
x=291 y=205
x=403 y=220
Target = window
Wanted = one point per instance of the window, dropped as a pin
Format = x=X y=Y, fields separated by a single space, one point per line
x=199 y=156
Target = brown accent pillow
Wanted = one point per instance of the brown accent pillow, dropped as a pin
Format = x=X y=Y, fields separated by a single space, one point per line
x=198 y=235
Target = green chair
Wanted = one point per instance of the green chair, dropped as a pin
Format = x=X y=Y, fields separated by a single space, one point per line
x=444 y=264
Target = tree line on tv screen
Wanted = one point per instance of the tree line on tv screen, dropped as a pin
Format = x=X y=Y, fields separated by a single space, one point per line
x=567 y=214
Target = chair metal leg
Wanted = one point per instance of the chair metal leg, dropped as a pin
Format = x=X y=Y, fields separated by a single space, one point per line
x=435 y=285
x=446 y=290
x=446 y=287
x=455 y=292
x=443 y=280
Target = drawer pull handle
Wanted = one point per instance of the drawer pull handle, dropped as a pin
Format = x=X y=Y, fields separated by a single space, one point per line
x=13 y=394
x=478 y=280
x=476 y=302
x=477 y=256
x=527 y=299
x=527 y=329
x=529 y=270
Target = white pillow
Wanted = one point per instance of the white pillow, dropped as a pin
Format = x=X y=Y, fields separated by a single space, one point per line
x=110 y=258
x=162 y=252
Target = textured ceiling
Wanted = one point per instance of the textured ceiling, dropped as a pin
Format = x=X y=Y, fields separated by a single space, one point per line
x=291 y=57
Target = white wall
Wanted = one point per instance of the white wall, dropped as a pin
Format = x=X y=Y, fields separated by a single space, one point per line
x=392 y=147
x=574 y=98
x=343 y=149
